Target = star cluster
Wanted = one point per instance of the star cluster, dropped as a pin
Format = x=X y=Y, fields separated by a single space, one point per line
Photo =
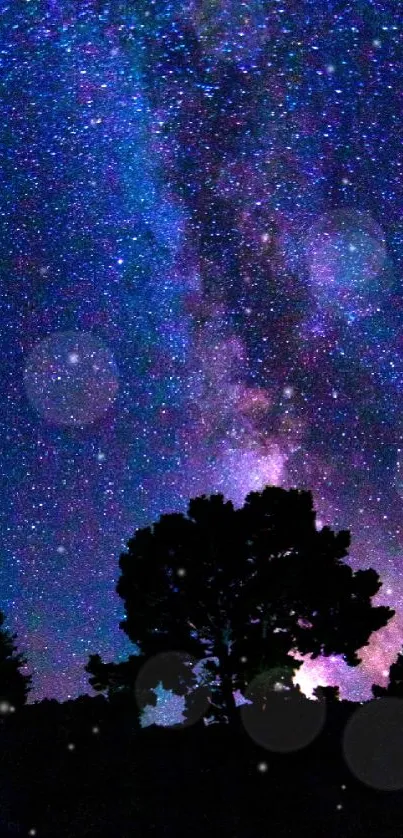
x=201 y=225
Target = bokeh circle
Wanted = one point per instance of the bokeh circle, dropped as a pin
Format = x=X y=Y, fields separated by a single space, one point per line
x=398 y=476
x=373 y=743
x=71 y=378
x=175 y=671
x=280 y=718
x=344 y=249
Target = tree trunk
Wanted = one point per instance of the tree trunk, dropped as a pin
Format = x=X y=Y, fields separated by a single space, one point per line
x=225 y=675
x=229 y=700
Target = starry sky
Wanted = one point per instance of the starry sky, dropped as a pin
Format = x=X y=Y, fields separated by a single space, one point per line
x=201 y=292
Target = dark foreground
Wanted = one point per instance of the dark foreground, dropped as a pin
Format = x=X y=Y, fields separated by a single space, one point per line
x=121 y=782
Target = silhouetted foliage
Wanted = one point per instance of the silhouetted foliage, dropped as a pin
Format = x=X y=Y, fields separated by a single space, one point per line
x=246 y=588
x=130 y=684
x=395 y=683
x=14 y=685
x=329 y=693
x=118 y=680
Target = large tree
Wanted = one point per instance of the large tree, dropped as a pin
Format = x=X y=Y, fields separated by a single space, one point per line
x=247 y=587
x=14 y=685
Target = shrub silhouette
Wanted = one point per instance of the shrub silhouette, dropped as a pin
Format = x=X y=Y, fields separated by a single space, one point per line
x=243 y=589
x=395 y=684
x=329 y=693
x=14 y=685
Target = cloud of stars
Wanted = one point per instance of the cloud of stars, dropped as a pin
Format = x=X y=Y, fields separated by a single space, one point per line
x=200 y=209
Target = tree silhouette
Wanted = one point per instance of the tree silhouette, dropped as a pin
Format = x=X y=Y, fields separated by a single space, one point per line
x=246 y=588
x=395 y=684
x=14 y=685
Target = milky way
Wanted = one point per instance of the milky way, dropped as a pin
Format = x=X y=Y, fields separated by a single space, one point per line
x=201 y=222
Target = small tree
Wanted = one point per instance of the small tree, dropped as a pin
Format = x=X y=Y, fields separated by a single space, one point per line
x=395 y=684
x=14 y=685
x=329 y=693
x=116 y=680
x=246 y=587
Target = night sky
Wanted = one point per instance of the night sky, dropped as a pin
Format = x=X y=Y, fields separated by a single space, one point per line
x=201 y=292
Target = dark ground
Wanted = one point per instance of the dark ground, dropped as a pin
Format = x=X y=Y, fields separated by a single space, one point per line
x=122 y=782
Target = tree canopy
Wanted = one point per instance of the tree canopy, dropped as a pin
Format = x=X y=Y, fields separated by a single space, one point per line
x=246 y=588
x=14 y=685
